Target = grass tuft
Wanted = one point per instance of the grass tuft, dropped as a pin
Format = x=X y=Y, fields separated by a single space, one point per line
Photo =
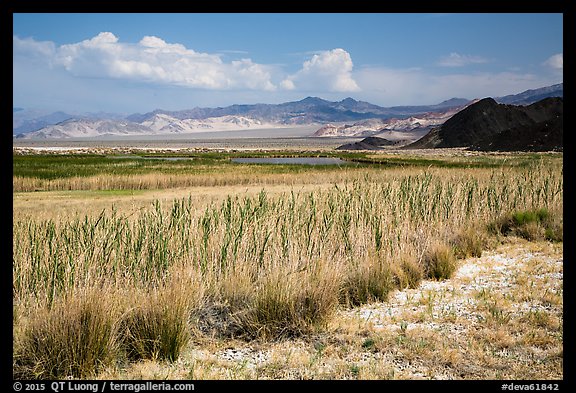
x=409 y=274
x=440 y=261
x=288 y=306
x=74 y=339
x=157 y=328
x=469 y=242
x=367 y=283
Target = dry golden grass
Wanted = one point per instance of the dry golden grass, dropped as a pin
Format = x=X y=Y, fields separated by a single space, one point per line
x=74 y=338
x=457 y=339
x=258 y=284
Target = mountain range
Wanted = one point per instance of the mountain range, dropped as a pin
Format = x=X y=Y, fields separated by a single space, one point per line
x=531 y=96
x=311 y=110
x=364 y=118
x=416 y=124
x=307 y=111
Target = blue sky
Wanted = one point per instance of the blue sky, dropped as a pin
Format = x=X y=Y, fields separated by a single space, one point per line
x=129 y=63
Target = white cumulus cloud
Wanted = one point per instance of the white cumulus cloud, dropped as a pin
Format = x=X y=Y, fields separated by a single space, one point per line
x=28 y=47
x=556 y=62
x=328 y=70
x=457 y=60
x=287 y=84
x=150 y=60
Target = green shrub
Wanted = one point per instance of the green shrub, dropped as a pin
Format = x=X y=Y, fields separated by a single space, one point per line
x=531 y=225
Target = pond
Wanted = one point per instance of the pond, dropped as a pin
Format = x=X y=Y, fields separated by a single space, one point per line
x=292 y=160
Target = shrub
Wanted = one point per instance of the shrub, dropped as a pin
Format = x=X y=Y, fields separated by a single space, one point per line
x=440 y=262
x=75 y=338
x=367 y=283
x=469 y=242
x=531 y=225
x=530 y=216
x=157 y=328
x=287 y=304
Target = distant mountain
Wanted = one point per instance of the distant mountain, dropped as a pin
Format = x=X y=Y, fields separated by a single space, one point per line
x=24 y=125
x=159 y=124
x=310 y=110
x=435 y=115
x=531 y=96
x=421 y=109
x=26 y=120
x=361 y=118
x=487 y=125
x=86 y=128
x=373 y=127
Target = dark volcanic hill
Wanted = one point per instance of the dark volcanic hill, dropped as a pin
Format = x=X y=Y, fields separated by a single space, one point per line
x=543 y=136
x=370 y=143
x=487 y=125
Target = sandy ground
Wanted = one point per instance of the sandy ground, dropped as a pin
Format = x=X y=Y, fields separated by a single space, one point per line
x=501 y=288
